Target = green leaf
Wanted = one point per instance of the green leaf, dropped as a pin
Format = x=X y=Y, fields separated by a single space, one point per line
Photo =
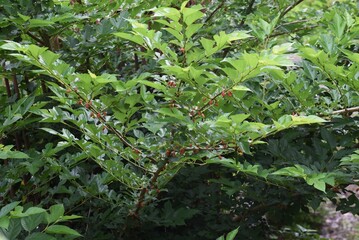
x=192 y=14
x=171 y=13
x=34 y=210
x=155 y=85
x=69 y=217
x=231 y=235
x=296 y=171
x=241 y=88
x=12 y=46
x=56 y=212
x=238 y=35
x=60 y=229
x=133 y=38
x=35 y=23
x=239 y=118
x=4 y=222
x=297 y=120
x=40 y=236
x=29 y=223
x=208 y=46
x=172 y=112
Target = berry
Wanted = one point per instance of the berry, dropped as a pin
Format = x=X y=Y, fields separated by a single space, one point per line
x=88 y=104
x=168 y=153
x=171 y=84
x=182 y=151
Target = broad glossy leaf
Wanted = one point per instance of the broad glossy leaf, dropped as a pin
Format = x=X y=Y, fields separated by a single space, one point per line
x=60 y=229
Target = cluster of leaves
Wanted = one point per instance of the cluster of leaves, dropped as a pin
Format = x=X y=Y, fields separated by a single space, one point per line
x=190 y=119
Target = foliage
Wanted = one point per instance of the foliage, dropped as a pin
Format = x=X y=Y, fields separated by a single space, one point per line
x=193 y=119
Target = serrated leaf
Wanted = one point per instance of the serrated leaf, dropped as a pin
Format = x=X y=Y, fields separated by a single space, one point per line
x=172 y=112
x=296 y=171
x=13 y=46
x=34 y=23
x=171 y=13
x=155 y=85
x=238 y=35
x=133 y=38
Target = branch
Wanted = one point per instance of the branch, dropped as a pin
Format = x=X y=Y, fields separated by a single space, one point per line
x=214 y=12
x=247 y=12
x=290 y=7
x=293 y=31
x=7 y=86
x=36 y=38
x=346 y=110
x=141 y=199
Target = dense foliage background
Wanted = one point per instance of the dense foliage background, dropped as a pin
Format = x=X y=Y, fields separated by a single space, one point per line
x=176 y=120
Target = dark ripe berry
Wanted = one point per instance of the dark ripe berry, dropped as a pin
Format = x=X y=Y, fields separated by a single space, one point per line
x=182 y=151
x=223 y=93
x=182 y=50
x=79 y=102
x=98 y=115
x=210 y=102
x=168 y=153
x=190 y=145
x=229 y=94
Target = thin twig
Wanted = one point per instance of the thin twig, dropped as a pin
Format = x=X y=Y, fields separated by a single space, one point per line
x=295 y=30
x=36 y=38
x=290 y=7
x=214 y=12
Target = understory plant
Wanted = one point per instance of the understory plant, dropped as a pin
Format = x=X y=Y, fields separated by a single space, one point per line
x=167 y=120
